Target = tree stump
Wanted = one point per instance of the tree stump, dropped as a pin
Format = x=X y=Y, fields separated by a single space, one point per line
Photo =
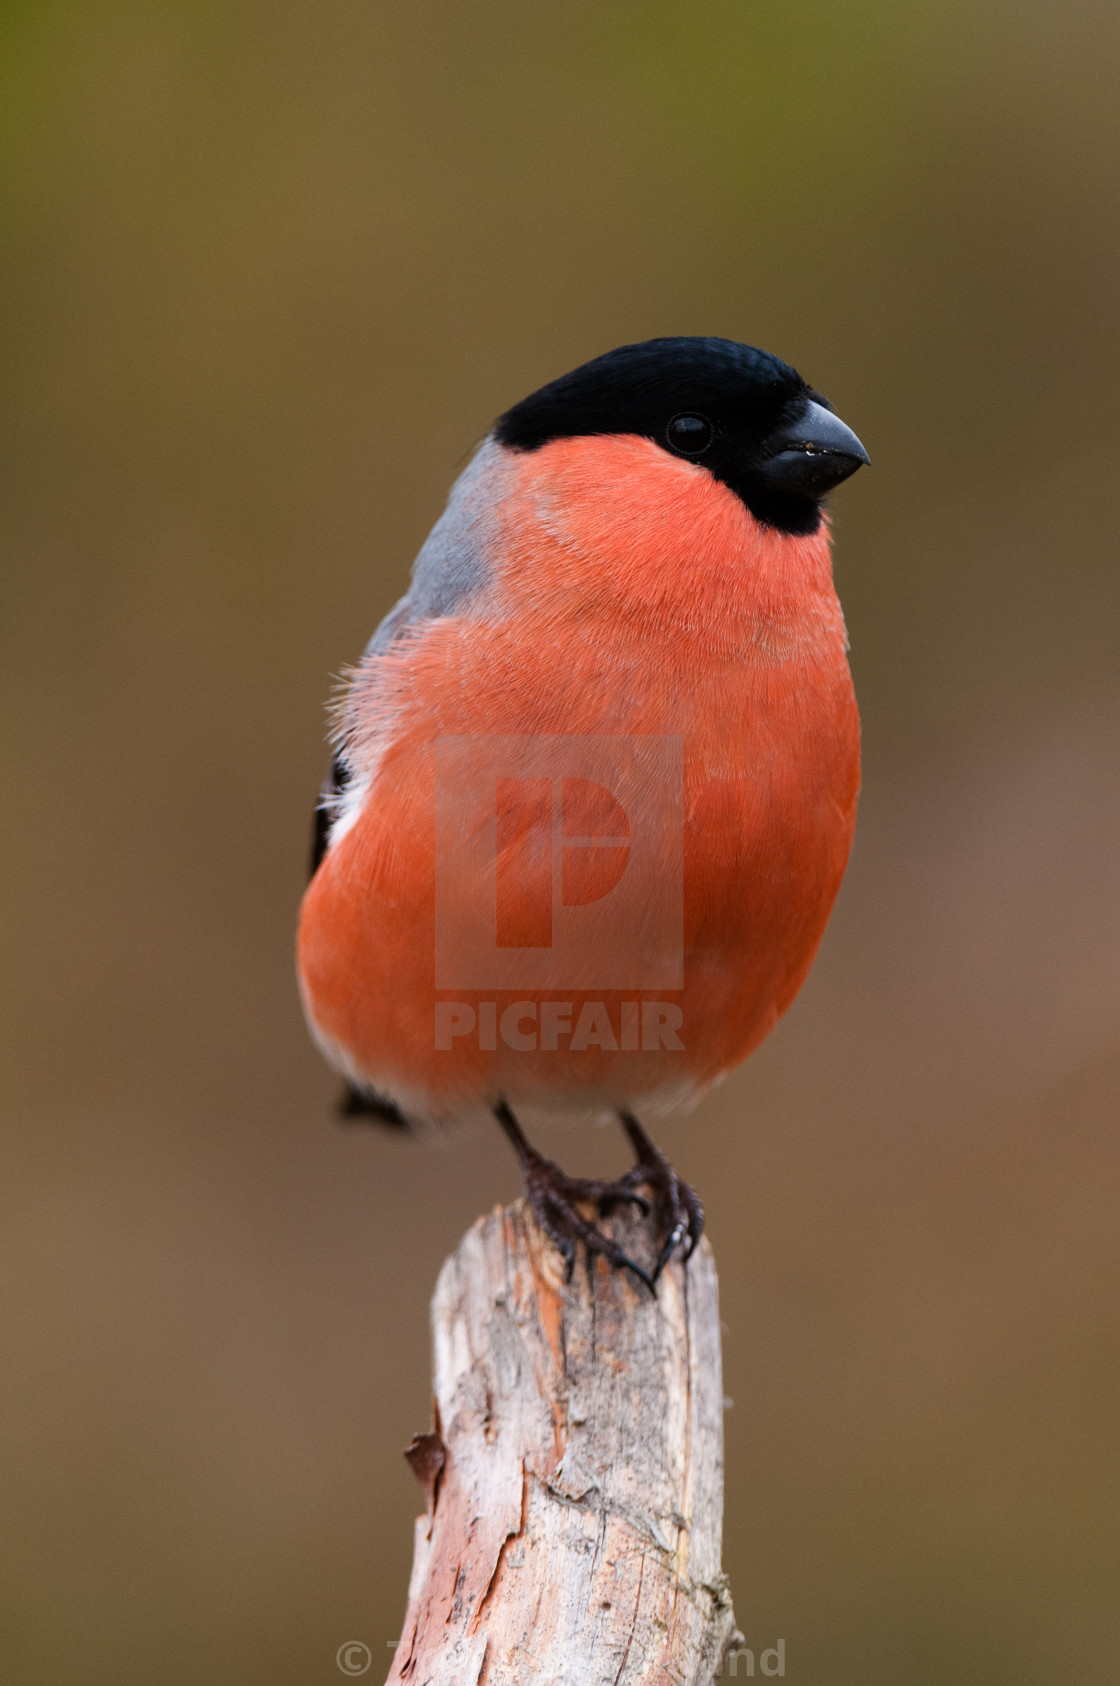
x=574 y=1474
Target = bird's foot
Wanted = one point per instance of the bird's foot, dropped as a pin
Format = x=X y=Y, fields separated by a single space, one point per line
x=555 y=1199
x=678 y=1203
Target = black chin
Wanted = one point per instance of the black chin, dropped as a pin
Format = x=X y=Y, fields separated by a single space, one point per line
x=788 y=512
x=786 y=509
x=792 y=509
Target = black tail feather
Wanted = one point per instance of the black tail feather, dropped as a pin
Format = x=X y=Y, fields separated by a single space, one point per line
x=366 y=1105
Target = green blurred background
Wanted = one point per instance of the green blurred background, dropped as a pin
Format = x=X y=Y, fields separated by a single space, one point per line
x=269 y=271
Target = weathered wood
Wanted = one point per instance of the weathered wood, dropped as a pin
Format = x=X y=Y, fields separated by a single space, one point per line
x=573 y=1525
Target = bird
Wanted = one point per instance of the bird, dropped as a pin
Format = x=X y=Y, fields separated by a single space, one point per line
x=595 y=776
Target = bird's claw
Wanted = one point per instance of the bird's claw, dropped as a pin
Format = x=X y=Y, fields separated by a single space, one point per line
x=675 y=1198
x=555 y=1199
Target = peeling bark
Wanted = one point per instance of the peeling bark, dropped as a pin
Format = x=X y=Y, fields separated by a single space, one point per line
x=573 y=1535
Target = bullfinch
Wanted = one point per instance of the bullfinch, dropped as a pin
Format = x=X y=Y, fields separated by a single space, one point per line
x=595 y=775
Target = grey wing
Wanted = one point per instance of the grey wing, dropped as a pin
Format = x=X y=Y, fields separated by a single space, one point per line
x=451 y=569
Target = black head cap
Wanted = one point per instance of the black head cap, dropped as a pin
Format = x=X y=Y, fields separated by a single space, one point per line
x=742 y=414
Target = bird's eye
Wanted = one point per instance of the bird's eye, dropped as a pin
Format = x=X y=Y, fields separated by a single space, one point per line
x=690 y=435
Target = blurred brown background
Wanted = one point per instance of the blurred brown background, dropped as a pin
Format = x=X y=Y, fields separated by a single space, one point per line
x=269 y=271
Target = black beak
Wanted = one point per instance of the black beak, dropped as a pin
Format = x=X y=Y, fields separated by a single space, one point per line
x=810 y=455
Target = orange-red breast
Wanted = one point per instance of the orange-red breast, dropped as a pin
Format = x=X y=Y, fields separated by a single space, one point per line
x=596 y=773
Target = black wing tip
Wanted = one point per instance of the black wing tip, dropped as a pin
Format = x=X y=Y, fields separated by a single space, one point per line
x=323 y=819
x=320 y=835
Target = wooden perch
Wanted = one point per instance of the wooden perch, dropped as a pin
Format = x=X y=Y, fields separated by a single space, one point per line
x=575 y=1475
